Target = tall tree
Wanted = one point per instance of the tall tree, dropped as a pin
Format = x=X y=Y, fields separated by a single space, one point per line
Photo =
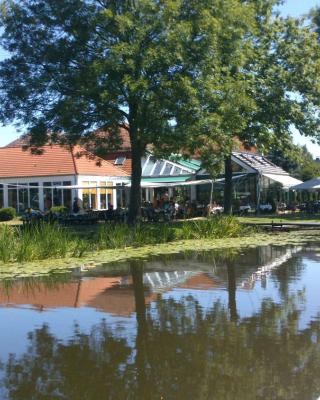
x=278 y=84
x=296 y=160
x=79 y=65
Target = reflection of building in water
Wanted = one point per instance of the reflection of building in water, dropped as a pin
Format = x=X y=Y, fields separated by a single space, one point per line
x=115 y=295
x=270 y=259
x=160 y=281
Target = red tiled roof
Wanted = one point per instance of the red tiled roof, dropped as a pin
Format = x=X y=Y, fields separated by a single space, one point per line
x=55 y=160
x=111 y=157
x=89 y=164
x=201 y=281
x=100 y=134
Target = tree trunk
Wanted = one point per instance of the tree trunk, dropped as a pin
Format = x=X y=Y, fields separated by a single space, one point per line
x=135 y=192
x=228 y=186
x=232 y=288
x=143 y=387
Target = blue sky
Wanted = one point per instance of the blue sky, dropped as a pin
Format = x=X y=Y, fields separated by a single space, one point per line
x=291 y=7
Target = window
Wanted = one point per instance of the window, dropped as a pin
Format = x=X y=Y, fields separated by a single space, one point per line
x=57 y=194
x=149 y=166
x=158 y=168
x=47 y=196
x=120 y=160
x=13 y=196
x=23 y=202
x=106 y=194
x=89 y=195
x=1 y=196
x=67 y=200
x=85 y=196
x=167 y=169
x=93 y=195
x=34 y=195
x=176 y=171
x=121 y=197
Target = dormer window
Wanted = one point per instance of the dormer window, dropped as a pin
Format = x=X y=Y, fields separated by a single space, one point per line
x=120 y=160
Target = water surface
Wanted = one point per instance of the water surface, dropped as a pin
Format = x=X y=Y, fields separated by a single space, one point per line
x=191 y=326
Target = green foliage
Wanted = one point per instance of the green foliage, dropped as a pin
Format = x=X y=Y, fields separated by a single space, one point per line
x=216 y=228
x=37 y=242
x=272 y=88
x=7 y=214
x=180 y=75
x=121 y=236
x=7 y=243
x=44 y=241
x=168 y=72
x=296 y=160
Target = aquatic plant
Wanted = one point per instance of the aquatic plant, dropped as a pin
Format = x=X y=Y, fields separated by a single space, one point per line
x=50 y=241
x=213 y=228
x=37 y=242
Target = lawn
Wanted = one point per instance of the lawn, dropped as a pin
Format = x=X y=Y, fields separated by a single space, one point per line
x=283 y=218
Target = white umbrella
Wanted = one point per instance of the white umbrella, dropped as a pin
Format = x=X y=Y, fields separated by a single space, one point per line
x=312 y=184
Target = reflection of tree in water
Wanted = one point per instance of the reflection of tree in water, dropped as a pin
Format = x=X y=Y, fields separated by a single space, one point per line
x=183 y=355
x=86 y=367
x=180 y=353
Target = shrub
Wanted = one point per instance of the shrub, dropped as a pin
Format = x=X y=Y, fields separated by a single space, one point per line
x=7 y=214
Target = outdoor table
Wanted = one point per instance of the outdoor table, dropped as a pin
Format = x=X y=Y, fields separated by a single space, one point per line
x=216 y=210
x=266 y=207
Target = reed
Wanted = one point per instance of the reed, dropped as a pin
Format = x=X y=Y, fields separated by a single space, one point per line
x=49 y=241
x=37 y=242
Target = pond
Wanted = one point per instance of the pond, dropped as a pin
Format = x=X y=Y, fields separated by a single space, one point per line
x=241 y=325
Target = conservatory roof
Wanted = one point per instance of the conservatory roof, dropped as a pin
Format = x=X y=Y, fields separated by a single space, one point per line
x=156 y=168
x=257 y=163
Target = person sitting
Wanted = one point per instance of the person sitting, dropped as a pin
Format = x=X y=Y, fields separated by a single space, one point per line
x=110 y=213
x=75 y=206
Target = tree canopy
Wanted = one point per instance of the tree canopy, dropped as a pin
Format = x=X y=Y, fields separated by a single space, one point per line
x=296 y=160
x=80 y=65
x=275 y=87
x=179 y=75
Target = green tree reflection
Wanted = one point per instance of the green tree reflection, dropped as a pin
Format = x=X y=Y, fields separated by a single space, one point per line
x=86 y=367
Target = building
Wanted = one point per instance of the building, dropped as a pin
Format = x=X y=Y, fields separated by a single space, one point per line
x=60 y=174
x=56 y=177
x=256 y=178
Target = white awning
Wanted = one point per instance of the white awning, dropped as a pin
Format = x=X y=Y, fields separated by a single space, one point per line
x=287 y=181
x=185 y=183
